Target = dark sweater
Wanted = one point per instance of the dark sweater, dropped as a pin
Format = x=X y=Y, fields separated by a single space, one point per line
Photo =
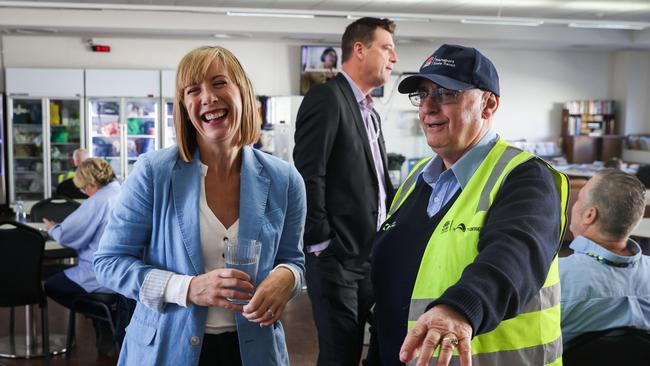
x=516 y=247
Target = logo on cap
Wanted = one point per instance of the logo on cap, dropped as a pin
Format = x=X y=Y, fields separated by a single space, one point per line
x=436 y=61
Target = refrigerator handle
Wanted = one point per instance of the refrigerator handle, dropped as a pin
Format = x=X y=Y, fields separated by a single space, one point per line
x=47 y=152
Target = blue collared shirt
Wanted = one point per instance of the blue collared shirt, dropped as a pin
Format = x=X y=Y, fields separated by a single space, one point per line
x=602 y=290
x=444 y=184
x=82 y=229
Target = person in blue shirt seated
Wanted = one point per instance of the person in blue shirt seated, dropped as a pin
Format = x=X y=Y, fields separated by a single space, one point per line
x=605 y=281
x=81 y=231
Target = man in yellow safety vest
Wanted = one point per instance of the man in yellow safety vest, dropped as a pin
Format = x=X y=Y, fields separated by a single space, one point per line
x=465 y=265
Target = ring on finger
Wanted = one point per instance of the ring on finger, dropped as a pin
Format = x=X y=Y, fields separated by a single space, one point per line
x=451 y=340
x=270 y=312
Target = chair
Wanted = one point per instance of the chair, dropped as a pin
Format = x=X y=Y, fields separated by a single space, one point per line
x=55 y=209
x=618 y=346
x=114 y=309
x=20 y=273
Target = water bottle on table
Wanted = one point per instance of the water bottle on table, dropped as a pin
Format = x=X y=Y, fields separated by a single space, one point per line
x=21 y=215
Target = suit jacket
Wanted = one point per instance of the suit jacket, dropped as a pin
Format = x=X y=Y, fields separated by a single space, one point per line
x=155 y=226
x=333 y=156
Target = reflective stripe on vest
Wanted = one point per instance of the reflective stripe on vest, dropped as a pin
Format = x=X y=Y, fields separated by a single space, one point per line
x=532 y=337
x=546 y=298
x=549 y=354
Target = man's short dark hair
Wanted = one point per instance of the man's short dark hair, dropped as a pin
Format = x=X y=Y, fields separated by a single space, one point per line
x=363 y=30
x=620 y=200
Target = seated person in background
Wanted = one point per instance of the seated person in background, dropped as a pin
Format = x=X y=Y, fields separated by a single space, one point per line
x=66 y=187
x=82 y=231
x=605 y=282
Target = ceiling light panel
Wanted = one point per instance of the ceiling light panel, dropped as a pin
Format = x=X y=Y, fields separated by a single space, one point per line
x=608 y=6
x=503 y=21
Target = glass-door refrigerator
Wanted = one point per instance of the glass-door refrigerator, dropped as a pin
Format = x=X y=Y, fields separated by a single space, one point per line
x=44 y=109
x=168 y=89
x=169 y=133
x=43 y=133
x=123 y=115
x=3 y=187
x=122 y=129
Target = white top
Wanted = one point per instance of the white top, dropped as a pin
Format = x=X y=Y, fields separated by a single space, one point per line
x=213 y=232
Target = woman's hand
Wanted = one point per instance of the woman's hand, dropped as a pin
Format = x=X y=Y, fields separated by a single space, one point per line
x=48 y=224
x=212 y=288
x=270 y=298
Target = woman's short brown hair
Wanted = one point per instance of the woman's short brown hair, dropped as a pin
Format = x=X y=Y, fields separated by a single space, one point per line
x=93 y=171
x=191 y=70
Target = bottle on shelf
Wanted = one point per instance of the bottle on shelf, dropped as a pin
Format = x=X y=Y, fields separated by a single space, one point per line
x=21 y=215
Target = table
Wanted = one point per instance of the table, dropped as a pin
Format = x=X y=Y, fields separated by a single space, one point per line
x=30 y=345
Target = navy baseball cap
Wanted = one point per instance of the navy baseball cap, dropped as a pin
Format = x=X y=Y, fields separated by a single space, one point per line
x=455 y=67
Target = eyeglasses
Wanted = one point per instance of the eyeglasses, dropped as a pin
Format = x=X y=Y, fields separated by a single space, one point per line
x=438 y=95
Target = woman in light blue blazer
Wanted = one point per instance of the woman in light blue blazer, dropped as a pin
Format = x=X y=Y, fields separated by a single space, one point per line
x=164 y=244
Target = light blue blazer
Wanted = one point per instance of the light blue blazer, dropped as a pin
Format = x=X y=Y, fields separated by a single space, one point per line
x=155 y=225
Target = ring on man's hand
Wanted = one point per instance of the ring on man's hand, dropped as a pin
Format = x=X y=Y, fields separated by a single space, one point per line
x=271 y=312
x=451 y=340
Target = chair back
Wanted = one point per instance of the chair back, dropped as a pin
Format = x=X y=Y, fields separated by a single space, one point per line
x=54 y=209
x=20 y=264
x=619 y=346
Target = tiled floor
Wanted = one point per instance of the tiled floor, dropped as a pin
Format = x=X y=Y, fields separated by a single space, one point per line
x=297 y=321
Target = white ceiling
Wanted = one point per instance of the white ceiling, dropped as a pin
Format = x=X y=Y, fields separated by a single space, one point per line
x=627 y=10
x=418 y=21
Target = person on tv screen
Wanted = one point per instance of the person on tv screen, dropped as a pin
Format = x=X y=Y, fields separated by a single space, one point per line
x=327 y=70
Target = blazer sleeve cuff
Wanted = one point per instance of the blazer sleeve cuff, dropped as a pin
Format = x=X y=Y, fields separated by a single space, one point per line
x=297 y=280
x=152 y=292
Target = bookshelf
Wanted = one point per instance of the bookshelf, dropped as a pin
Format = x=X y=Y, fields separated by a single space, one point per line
x=589 y=131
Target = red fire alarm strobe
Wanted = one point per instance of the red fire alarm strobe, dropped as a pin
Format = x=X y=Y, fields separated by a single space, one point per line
x=100 y=48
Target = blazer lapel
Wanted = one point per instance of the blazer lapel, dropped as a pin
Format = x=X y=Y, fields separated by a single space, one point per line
x=186 y=188
x=353 y=106
x=253 y=195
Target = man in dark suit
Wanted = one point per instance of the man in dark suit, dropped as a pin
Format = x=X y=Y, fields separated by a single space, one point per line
x=341 y=155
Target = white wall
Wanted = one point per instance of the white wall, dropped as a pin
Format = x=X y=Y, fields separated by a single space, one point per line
x=534 y=83
x=631 y=87
x=534 y=86
x=272 y=66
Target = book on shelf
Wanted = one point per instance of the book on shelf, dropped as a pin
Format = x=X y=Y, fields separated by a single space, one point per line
x=605 y=107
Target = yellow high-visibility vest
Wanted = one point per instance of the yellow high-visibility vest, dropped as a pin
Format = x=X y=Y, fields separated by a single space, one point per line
x=67 y=175
x=534 y=336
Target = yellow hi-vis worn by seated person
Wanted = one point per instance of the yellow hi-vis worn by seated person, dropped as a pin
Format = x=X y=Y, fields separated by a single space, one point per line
x=534 y=336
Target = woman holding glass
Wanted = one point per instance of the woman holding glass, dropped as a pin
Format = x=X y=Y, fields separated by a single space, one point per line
x=165 y=243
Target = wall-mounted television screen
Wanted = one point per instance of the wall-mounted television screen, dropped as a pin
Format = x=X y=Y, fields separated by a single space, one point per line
x=321 y=63
x=318 y=64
